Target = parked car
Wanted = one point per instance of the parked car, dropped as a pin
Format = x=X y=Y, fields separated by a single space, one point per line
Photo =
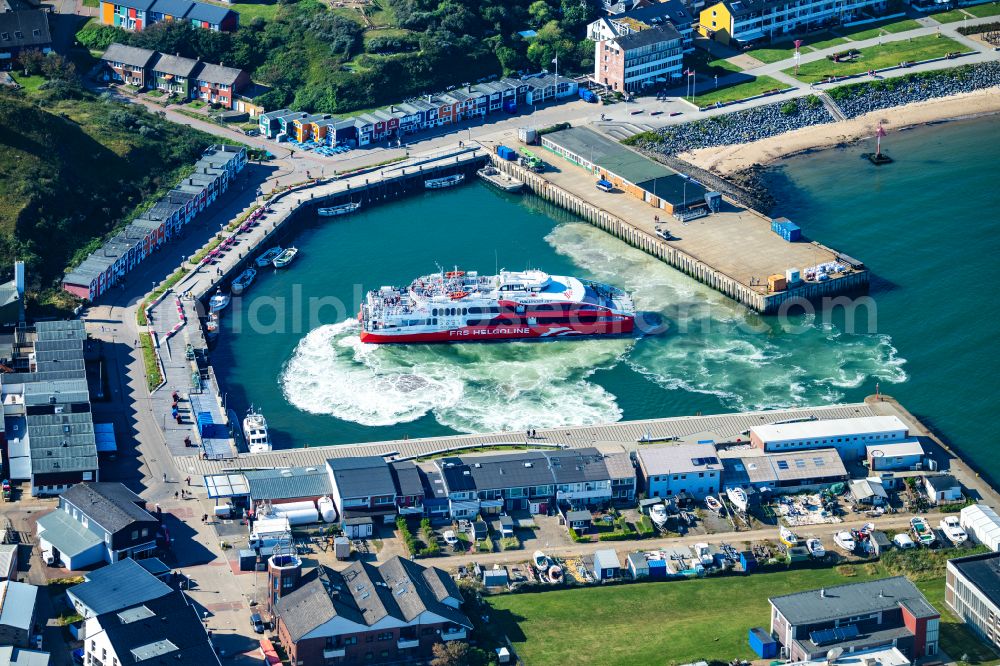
x=257 y=623
x=450 y=538
x=252 y=132
x=903 y=541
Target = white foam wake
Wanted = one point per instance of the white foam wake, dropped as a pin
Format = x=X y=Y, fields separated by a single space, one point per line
x=473 y=387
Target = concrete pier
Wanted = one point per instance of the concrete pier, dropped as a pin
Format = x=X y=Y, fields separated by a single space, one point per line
x=733 y=251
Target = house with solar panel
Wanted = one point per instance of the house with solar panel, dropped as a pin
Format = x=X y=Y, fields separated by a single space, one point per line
x=165 y=630
x=890 y=612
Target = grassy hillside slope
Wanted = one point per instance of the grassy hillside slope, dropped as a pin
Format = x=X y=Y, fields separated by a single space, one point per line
x=73 y=170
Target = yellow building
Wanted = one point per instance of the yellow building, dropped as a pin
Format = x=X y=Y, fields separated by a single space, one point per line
x=716 y=22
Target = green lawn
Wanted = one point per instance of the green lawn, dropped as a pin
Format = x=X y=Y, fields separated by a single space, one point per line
x=251 y=10
x=675 y=622
x=878 y=57
x=951 y=16
x=30 y=83
x=873 y=30
x=757 y=86
x=827 y=43
x=982 y=11
x=704 y=62
x=772 y=53
x=91 y=3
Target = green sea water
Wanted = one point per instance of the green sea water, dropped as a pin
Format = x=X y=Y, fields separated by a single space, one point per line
x=923 y=225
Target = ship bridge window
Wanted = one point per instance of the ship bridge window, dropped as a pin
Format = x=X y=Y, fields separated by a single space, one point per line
x=434 y=312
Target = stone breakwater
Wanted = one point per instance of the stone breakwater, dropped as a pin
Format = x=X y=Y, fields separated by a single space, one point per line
x=861 y=98
x=763 y=122
x=744 y=126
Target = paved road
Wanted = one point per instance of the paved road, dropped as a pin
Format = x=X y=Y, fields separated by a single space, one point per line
x=823 y=532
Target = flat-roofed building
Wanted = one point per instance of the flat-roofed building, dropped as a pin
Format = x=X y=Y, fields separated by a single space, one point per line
x=635 y=174
x=907 y=454
x=972 y=591
x=783 y=472
x=851 y=437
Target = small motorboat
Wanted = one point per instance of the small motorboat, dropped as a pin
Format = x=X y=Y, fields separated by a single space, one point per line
x=555 y=573
x=845 y=541
x=212 y=326
x=286 y=257
x=218 y=302
x=953 y=531
x=922 y=532
x=658 y=514
x=255 y=431
x=713 y=504
x=788 y=537
x=541 y=560
x=244 y=280
x=499 y=179
x=447 y=181
x=816 y=549
x=265 y=260
x=342 y=209
x=738 y=497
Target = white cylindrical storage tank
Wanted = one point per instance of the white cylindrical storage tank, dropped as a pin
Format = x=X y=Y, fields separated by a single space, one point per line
x=293 y=506
x=301 y=516
x=327 y=510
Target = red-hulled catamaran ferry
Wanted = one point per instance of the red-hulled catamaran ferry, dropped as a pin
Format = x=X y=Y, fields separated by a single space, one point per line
x=460 y=306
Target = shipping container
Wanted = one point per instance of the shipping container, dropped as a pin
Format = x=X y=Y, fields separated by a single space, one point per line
x=506 y=153
x=776 y=283
x=657 y=568
x=587 y=95
x=763 y=643
x=792 y=276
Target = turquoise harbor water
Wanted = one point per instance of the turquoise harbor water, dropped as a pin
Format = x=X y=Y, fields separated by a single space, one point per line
x=923 y=225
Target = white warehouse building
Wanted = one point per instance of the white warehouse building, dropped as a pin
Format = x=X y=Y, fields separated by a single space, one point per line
x=851 y=437
x=983 y=523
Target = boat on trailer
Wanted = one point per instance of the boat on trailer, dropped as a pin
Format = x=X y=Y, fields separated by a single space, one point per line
x=816 y=549
x=738 y=497
x=788 y=537
x=342 y=209
x=446 y=181
x=922 y=532
x=713 y=504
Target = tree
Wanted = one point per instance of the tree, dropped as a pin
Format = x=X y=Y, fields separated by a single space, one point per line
x=550 y=41
x=457 y=653
x=540 y=12
x=32 y=60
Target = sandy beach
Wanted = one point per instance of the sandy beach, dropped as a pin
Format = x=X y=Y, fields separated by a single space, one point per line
x=728 y=159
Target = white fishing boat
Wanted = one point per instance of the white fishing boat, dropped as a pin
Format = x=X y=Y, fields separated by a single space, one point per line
x=738 y=498
x=922 y=532
x=541 y=560
x=244 y=280
x=658 y=514
x=713 y=504
x=953 y=531
x=816 y=549
x=845 y=541
x=286 y=257
x=788 y=537
x=255 y=432
x=446 y=181
x=555 y=573
x=499 y=179
x=218 y=302
x=264 y=260
x=704 y=554
x=342 y=209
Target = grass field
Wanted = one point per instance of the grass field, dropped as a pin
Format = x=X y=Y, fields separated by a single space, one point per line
x=251 y=10
x=29 y=83
x=677 y=622
x=771 y=54
x=951 y=16
x=91 y=3
x=704 y=63
x=982 y=11
x=878 y=57
x=827 y=43
x=757 y=86
x=873 y=30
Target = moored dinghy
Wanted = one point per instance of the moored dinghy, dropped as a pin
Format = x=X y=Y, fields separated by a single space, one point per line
x=342 y=209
